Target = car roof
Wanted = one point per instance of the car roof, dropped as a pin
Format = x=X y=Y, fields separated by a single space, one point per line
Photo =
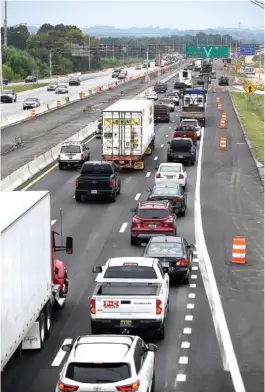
x=31 y=98
x=97 y=163
x=71 y=143
x=166 y=184
x=93 y=348
x=154 y=205
x=164 y=238
x=120 y=261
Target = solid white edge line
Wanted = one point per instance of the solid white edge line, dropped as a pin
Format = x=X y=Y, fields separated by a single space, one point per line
x=137 y=197
x=61 y=354
x=123 y=227
x=221 y=328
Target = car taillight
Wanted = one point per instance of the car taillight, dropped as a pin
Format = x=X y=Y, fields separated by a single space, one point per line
x=129 y=387
x=66 y=387
x=151 y=198
x=76 y=183
x=111 y=184
x=82 y=156
x=181 y=176
x=158 y=175
x=93 y=306
x=169 y=220
x=182 y=263
x=136 y=221
x=158 y=306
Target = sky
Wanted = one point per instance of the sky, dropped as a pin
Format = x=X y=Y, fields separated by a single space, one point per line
x=125 y=14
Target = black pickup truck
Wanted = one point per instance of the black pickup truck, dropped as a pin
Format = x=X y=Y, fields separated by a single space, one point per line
x=98 y=179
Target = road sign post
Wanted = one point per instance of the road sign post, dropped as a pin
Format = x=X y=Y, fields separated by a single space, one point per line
x=206 y=51
x=247 y=49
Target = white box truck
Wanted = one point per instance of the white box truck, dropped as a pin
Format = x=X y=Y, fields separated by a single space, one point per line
x=32 y=279
x=128 y=133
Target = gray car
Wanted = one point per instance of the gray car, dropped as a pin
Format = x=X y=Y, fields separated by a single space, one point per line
x=31 y=103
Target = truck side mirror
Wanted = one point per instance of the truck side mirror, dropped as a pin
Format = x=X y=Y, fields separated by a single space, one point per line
x=69 y=245
x=97 y=270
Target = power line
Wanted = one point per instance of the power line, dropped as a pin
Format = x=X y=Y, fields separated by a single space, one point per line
x=259 y=3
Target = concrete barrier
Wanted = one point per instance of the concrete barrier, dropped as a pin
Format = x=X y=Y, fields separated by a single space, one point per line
x=29 y=170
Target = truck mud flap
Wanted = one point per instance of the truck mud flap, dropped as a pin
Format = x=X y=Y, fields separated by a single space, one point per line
x=138 y=165
x=148 y=151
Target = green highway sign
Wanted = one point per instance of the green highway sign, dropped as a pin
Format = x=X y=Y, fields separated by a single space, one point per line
x=205 y=51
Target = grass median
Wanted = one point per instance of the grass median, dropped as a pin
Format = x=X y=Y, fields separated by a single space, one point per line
x=251 y=112
x=26 y=87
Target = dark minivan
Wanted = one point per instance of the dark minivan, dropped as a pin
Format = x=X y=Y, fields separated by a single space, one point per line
x=161 y=113
x=181 y=150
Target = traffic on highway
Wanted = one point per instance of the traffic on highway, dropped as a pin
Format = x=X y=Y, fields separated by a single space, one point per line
x=119 y=255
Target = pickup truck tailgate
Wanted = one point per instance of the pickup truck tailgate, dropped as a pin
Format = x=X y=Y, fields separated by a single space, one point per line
x=119 y=307
x=90 y=182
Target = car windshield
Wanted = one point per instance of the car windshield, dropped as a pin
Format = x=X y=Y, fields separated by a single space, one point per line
x=171 y=169
x=165 y=191
x=97 y=168
x=152 y=213
x=70 y=149
x=164 y=248
x=180 y=145
x=130 y=272
x=97 y=373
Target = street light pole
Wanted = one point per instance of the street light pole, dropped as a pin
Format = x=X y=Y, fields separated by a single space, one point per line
x=5 y=24
x=50 y=62
x=1 y=69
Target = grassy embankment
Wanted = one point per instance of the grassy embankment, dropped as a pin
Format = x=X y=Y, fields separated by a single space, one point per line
x=25 y=87
x=251 y=112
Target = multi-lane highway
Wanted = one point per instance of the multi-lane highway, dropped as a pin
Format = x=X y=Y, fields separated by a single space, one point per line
x=88 y=81
x=189 y=359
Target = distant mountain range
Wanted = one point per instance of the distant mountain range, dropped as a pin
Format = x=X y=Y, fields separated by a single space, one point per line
x=246 y=35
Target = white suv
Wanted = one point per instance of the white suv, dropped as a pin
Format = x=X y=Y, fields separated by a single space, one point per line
x=73 y=154
x=108 y=363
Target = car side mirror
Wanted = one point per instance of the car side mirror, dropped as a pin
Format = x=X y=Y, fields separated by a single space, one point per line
x=152 y=347
x=67 y=347
x=97 y=270
x=133 y=209
x=69 y=245
x=192 y=247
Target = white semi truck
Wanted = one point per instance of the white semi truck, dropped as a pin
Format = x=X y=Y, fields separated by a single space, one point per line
x=128 y=133
x=33 y=281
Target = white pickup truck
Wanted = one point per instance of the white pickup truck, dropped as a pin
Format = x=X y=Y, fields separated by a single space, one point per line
x=132 y=294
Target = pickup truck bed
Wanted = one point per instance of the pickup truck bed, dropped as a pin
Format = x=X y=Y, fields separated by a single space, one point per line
x=197 y=113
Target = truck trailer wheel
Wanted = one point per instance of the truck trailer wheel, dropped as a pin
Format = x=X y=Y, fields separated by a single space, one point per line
x=48 y=313
x=41 y=320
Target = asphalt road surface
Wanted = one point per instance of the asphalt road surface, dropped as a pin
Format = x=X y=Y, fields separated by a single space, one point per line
x=231 y=202
x=43 y=133
x=88 y=82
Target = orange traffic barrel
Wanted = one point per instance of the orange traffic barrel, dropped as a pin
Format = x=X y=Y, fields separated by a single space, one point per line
x=219 y=107
x=239 y=250
x=222 y=123
x=33 y=113
x=58 y=103
x=218 y=100
x=223 y=145
x=223 y=115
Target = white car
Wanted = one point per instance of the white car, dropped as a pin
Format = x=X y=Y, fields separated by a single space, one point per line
x=174 y=96
x=108 y=363
x=73 y=154
x=61 y=89
x=172 y=172
x=169 y=103
x=152 y=95
x=193 y=124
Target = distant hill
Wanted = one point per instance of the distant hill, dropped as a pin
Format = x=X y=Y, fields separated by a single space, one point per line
x=246 y=35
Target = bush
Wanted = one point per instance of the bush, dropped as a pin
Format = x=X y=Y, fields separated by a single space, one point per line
x=8 y=72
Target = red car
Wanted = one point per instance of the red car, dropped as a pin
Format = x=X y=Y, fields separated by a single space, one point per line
x=153 y=218
x=184 y=131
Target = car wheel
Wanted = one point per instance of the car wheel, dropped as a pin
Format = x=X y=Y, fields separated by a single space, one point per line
x=133 y=241
x=78 y=197
x=113 y=197
x=119 y=190
x=61 y=166
x=161 y=332
x=42 y=328
x=186 y=280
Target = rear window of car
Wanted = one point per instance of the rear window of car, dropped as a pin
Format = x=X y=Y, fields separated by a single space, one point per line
x=130 y=272
x=188 y=124
x=152 y=213
x=70 y=149
x=180 y=145
x=166 y=191
x=172 y=169
x=128 y=289
x=161 y=108
x=164 y=249
x=90 y=373
x=97 y=168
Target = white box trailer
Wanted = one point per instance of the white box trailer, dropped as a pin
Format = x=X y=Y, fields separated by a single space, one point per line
x=128 y=133
x=27 y=289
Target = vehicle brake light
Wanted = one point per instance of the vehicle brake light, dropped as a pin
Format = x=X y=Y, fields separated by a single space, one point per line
x=136 y=220
x=82 y=156
x=76 y=183
x=169 y=220
x=129 y=387
x=182 y=263
x=158 y=306
x=158 y=175
x=181 y=176
x=111 y=184
x=65 y=387
x=93 y=306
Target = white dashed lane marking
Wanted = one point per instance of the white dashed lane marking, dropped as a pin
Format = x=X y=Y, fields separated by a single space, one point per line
x=183 y=360
x=195 y=268
x=189 y=317
x=166 y=136
x=192 y=295
x=148 y=174
x=162 y=145
x=193 y=277
x=185 y=345
x=123 y=227
x=155 y=158
x=181 y=378
x=137 y=197
x=190 y=306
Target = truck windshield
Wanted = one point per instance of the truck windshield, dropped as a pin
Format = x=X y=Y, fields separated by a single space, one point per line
x=130 y=272
x=95 y=169
x=129 y=289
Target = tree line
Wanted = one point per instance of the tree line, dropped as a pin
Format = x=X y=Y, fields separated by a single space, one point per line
x=54 y=48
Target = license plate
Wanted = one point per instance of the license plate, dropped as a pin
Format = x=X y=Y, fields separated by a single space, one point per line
x=169 y=177
x=165 y=264
x=152 y=226
x=125 y=323
x=180 y=156
x=122 y=162
x=94 y=192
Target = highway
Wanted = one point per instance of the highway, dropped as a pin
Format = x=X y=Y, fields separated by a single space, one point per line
x=189 y=358
x=88 y=82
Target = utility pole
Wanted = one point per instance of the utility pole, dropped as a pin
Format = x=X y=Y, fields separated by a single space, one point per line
x=1 y=69
x=113 y=50
x=147 y=61
x=89 y=58
x=5 y=25
x=50 y=62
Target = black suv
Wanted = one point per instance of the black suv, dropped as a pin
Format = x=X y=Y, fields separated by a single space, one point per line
x=223 y=81
x=181 y=150
x=160 y=87
x=161 y=113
